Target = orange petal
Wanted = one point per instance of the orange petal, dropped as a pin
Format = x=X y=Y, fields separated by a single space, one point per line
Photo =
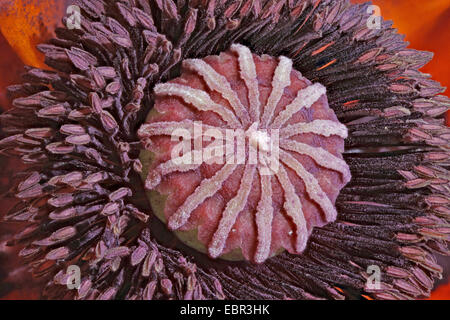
x=441 y=293
x=10 y=67
x=26 y=23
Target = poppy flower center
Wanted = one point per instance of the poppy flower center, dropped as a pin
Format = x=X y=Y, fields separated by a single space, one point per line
x=243 y=156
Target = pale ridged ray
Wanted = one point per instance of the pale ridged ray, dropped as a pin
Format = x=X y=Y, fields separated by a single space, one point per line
x=324 y=128
x=167 y=128
x=199 y=99
x=219 y=83
x=293 y=208
x=248 y=74
x=319 y=155
x=184 y=163
x=231 y=212
x=305 y=99
x=154 y=176
x=281 y=80
x=206 y=189
x=264 y=216
x=312 y=185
